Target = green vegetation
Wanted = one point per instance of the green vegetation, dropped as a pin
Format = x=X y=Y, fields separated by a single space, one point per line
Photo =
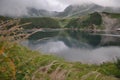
x=4 y=18
x=46 y=22
x=20 y=63
x=95 y=18
x=113 y=15
x=74 y=23
x=90 y=20
x=63 y=21
x=87 y=22
x=43 y=22
x=36 y=22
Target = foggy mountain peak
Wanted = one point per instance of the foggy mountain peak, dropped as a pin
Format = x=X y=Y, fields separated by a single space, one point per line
x=51 y=9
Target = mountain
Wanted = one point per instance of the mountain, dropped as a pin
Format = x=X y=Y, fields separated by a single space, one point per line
x=78 y=10
x=32 y=12
x=69 y=11
x=72 y=10
x=96 y=21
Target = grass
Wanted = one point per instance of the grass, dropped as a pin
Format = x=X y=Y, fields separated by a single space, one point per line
x=20 y=63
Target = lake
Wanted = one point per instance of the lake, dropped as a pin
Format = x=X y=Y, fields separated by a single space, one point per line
x=77 y=46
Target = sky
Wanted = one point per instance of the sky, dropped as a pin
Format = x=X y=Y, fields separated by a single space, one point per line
x=19 y=7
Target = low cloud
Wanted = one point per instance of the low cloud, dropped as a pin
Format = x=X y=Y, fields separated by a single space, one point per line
x=19 y=7
x=110 y=3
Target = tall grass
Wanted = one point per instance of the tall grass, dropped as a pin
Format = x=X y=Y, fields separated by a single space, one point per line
x=11 y=30
x=118 y=63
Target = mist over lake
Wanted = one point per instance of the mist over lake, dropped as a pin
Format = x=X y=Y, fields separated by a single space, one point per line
x=77 y=46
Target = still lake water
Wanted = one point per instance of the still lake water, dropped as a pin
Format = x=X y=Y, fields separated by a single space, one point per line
x=85 y=47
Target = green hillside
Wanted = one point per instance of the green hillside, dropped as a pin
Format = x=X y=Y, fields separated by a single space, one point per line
x=85 y=21
x=38 y=22
x=88 y=21
x=113 y=15
x=43 y=22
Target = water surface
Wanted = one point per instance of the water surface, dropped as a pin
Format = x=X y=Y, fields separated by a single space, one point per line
x=85 y=47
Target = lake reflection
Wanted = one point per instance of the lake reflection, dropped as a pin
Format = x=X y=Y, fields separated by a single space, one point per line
x=77 y=46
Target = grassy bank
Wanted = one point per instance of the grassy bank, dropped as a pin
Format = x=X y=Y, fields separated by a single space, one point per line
x=19 y=63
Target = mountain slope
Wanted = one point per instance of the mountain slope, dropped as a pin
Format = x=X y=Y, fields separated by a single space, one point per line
x=40 y=22
x=72 y=10
x=32 y=12
x=96 y=20
x=78 y=10
x=85 y=21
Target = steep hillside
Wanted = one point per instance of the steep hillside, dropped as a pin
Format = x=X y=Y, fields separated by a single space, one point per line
x=85 y=21
x=96 y=20
x=111 y=21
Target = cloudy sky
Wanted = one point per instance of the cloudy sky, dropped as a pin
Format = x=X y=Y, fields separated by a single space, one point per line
x=18 y=7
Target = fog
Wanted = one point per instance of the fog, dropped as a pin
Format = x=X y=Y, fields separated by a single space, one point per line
x=94 y=56
x=19 y=7
x=52 y=47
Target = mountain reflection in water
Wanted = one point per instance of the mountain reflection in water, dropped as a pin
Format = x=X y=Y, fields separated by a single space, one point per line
x=79 y=46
